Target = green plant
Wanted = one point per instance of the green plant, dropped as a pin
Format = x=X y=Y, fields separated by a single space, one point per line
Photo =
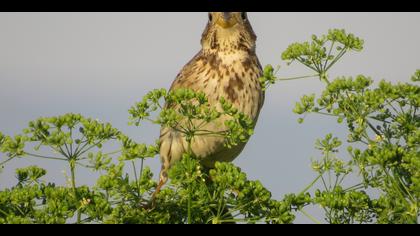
x=383 y=124
x=383 y=155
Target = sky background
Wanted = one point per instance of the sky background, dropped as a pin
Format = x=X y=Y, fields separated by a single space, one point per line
x=100 y=64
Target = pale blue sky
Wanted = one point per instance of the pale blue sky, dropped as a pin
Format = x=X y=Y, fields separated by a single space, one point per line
x=100 y=64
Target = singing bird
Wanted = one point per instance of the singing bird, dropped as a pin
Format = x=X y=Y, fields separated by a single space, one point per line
x=226 y=66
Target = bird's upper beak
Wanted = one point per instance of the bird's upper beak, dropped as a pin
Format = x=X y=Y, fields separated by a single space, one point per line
x=227 y=20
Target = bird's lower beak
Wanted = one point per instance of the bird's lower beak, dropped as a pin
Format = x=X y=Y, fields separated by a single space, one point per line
x=227 y=21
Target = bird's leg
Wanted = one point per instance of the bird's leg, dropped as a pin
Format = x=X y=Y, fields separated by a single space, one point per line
x=163 y=178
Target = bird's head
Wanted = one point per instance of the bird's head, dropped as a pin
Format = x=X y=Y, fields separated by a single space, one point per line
x=227 y=31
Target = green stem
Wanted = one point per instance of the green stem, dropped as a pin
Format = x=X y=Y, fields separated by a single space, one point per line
x=305 y=64
x=45 y=157
x=354 y=187
x=85 y=166
x=341 y=54
x=62 y=152
x=318 y=67
x=81 y=152
x=136 y=178
x=59 y=150
x=20 y=210
x=141 y=167
x=324 y=77
x=311 y=184
x=342 y=179
x=327 y=114
x=373 y=128
x=4 y=162
x=374 y=118
x=4 y=213
x=238 y=209
x=71 y=144
x=72 y=163
x=296 y=78
x=310 y=216
x=67 y=150
x=76 y=150
x=112 y=153
x=393 y=108
x=190 y=152
x=80 y=149
x=329 y=54
x=323 y=182
x=404 y=187
x=336 y=180
x=394 y=184
x=189 y=205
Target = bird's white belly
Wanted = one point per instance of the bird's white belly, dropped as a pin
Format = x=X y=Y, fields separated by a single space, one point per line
x=208 y=148
x=211 y=148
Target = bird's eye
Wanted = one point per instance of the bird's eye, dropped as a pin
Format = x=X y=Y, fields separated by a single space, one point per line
x=210 y=17
x=243 y=15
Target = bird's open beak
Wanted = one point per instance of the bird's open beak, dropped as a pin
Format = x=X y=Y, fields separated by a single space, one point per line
x=227 y=21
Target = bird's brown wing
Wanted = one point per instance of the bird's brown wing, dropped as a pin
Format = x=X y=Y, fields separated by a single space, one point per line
x=185 y=78
x=172 y=143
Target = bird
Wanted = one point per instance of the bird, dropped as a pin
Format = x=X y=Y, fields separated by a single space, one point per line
x=226 y=66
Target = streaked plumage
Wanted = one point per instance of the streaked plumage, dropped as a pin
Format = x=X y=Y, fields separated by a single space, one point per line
x=226 y=66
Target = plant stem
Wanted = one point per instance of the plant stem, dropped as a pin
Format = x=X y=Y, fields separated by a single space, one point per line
x=310 y=216
x=72 y=163
x=307 y=65
x=80 y=149
x=354 y=188
x=62 y=152
x=337 y=58
x=81 y=152
x=3 y=212
x=45 y=157
x=326 y=114
x=373 y=128
x=311 y=184
x=71 y=144
x=114 y=152
x=136 y=178
x=190 y=152
x=323 y=182
x=76 y=150
x=296 y=78
x=189 y=205
x=329 y=54
x=4 y=162
x=141 y=168
x=67 y=149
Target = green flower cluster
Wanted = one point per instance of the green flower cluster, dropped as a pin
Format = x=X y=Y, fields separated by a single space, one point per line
x=189 y=113
x=416 y=76
x=194 y=195
x=345 y=206
x=384 y=120
x=22 y=203
x=221 y=195
x=79 y=142
x=323 y=52
x=383 y=157
x=268 y=77
x=319 y=55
